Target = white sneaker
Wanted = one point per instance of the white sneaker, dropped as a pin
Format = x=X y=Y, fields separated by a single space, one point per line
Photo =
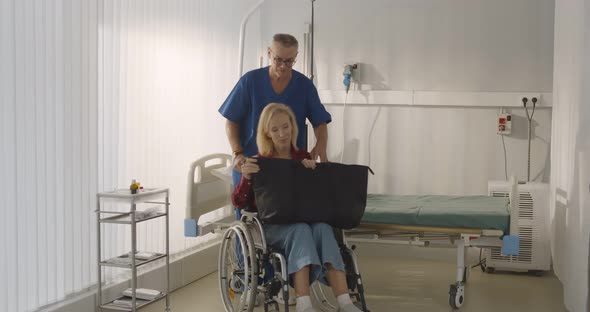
x=281 y=301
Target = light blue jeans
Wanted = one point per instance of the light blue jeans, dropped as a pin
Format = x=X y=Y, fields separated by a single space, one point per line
x=306 y=244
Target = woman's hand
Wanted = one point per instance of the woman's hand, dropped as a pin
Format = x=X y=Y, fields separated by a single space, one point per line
x=309 y=163
x=249 y=167
x=238 y=162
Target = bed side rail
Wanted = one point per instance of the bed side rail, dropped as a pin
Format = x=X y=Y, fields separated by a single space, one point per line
x=208 y=196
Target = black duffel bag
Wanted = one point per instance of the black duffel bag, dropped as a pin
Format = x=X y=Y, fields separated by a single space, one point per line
x=287 y=192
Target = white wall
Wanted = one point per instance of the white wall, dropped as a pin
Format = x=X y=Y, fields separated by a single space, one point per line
x=479 y=46
x=425 y=150
x=438 y=45
x=570 y=153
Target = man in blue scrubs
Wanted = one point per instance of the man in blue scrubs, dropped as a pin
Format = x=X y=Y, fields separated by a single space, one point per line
x=275 y=83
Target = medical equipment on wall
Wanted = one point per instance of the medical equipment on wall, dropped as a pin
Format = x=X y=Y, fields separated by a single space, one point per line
x=348 y=71
x=504 y=124
x=350 y=74
x=531 y=227
x=530 y=119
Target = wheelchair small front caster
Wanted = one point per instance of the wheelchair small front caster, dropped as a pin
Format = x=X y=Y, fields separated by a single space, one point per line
x=456 y=295
x=271 y=306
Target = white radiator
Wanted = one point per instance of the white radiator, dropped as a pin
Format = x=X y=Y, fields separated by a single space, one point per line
x=533 y=228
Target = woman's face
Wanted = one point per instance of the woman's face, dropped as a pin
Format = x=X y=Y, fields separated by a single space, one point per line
x=279 y=130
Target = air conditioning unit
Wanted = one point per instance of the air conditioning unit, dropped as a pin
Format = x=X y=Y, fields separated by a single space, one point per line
x=532 y=223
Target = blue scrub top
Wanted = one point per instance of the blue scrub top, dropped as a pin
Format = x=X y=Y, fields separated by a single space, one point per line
x=254 y=91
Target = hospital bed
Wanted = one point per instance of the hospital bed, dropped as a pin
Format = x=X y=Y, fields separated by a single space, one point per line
x=464 y=221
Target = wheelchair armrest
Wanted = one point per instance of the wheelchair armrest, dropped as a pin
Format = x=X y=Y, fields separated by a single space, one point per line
x=248 y=215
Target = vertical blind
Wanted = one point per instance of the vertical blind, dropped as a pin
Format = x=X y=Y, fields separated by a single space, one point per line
x=165 y=68
x=95 y=93
x=49 y=153
x=569 y=152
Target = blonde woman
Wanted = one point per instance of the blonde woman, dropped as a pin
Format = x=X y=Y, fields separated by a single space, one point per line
x=311 y=250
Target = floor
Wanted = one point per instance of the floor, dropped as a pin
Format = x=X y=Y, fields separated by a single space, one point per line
x=397 y=280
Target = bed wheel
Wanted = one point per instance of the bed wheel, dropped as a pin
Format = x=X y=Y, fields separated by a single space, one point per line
x=490 y=270
x=456 y=295
x=465 y=275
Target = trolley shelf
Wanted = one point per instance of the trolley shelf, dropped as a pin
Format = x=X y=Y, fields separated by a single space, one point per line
x=139 y=303
x=124 y=195
x=125 y=218
x=123 y=261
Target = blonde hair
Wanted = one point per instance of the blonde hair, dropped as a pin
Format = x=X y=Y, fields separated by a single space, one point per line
x=286 y=40
x=263 y=140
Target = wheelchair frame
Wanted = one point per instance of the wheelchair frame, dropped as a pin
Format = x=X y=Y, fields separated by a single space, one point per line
x=250 y=273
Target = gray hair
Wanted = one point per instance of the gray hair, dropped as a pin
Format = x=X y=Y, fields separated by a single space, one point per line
x=286 y=40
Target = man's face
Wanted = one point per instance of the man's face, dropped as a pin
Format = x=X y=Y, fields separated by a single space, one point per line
x=282 y=59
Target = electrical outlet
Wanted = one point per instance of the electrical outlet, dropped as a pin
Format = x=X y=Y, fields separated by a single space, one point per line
x=353 y=69
x=504 y=125
x=356 y=73
x=351 y=75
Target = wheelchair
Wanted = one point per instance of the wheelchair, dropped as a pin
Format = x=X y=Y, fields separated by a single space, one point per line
x=249 y=270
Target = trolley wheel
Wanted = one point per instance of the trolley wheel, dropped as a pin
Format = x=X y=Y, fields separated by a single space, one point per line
x=456 y=295
x=490 y=270
x=237 y=269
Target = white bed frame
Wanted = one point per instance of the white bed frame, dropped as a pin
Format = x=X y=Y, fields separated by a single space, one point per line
x=460 y=238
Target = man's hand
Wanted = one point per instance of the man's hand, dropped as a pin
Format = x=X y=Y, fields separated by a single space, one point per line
x=319 y=150
x=309 y=163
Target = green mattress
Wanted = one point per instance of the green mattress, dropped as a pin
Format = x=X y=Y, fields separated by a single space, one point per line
x=474 y=212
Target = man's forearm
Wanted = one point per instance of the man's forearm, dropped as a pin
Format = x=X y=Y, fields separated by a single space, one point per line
x=232 y=130
x=321 y=134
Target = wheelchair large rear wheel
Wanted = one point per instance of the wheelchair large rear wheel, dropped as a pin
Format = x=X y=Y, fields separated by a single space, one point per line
x=237 y=269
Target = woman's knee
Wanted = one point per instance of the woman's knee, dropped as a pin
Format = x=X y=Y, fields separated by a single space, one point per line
x=302 y=230
x=322 y=230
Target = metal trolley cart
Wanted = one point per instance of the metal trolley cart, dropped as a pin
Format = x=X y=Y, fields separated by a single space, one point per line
x=158 y=196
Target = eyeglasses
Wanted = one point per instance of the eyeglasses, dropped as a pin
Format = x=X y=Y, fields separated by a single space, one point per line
x=287 y=62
